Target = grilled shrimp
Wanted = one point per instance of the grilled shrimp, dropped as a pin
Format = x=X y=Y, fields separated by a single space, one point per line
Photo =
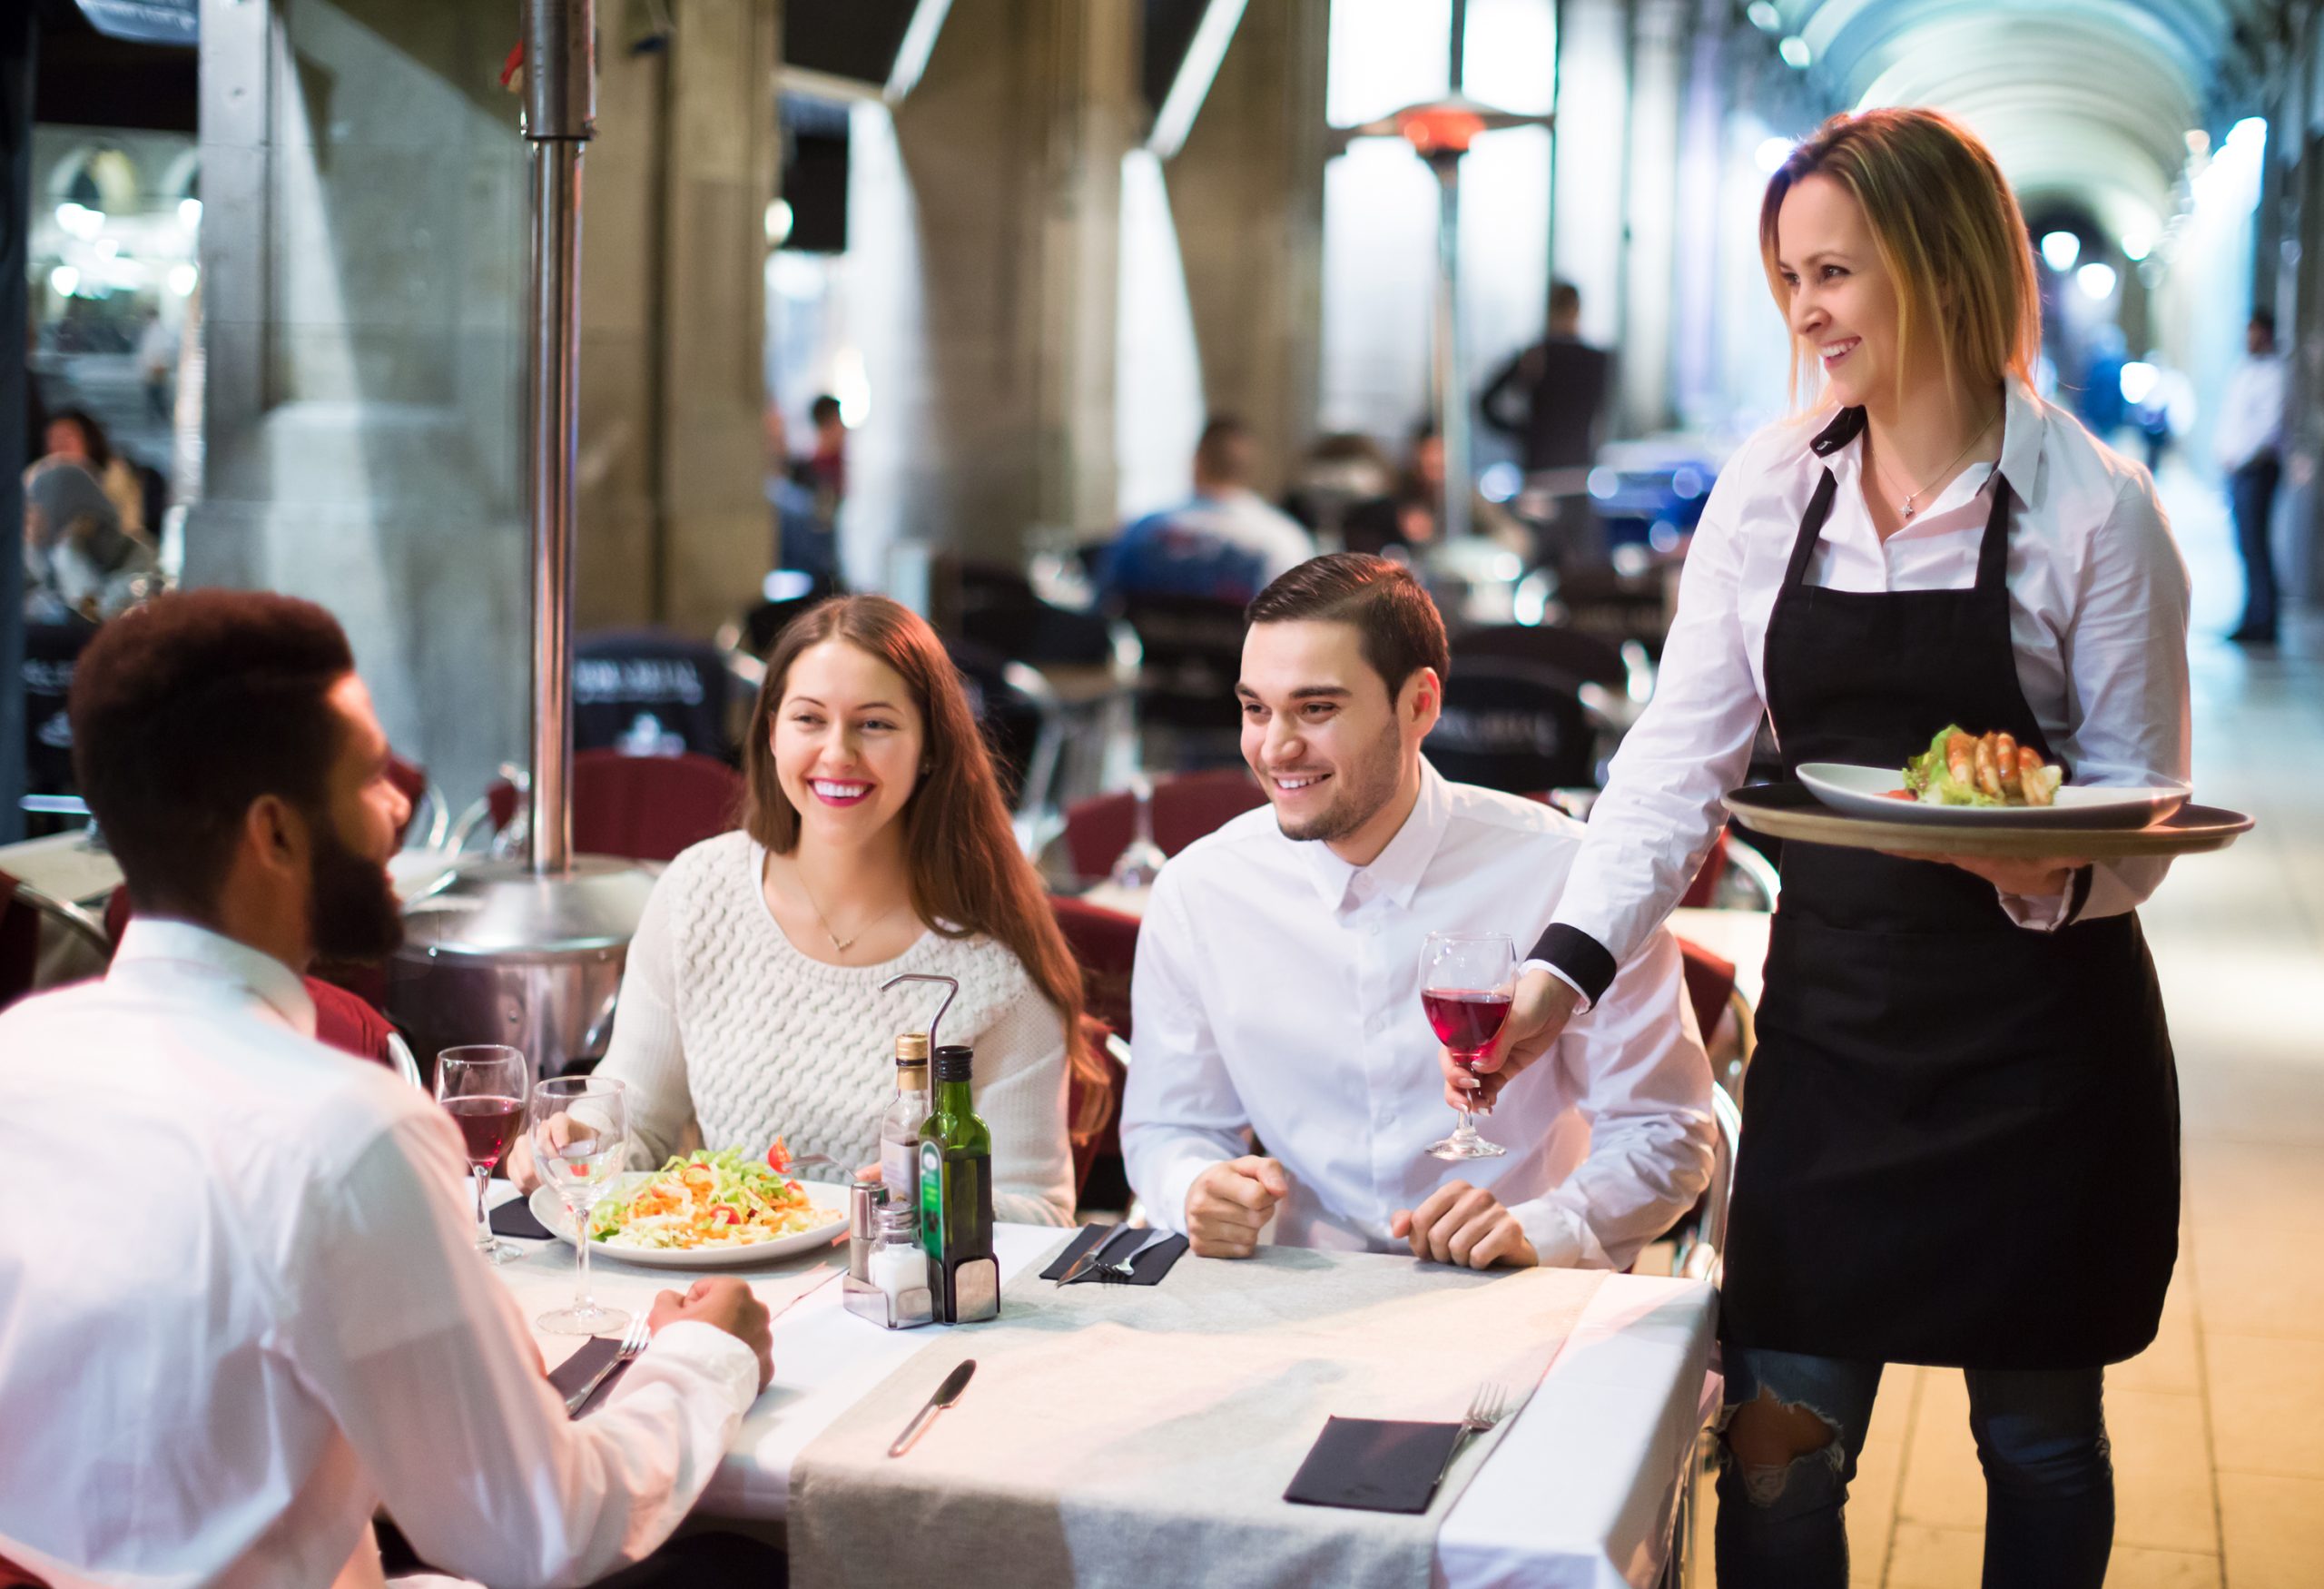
x=1988 y=772
x=1958 y=757
x=2005 y=759
x=2037 y=791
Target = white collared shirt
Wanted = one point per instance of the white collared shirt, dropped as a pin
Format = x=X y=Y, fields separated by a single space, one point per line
x=2251 y=412
x=240 y=1310
x=2098 y=622
x=1277 y=989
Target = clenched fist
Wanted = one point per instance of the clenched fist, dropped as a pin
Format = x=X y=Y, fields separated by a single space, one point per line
x=1229 y=1202
x=1464 y=1224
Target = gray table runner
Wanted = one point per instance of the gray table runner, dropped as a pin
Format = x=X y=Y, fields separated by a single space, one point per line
x=1128 y=1436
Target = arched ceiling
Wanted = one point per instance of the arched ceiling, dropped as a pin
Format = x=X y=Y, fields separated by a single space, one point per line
x=2087 y=102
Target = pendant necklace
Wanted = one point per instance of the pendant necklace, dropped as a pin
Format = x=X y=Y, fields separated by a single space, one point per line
x=842 y=945
x=1911 y=504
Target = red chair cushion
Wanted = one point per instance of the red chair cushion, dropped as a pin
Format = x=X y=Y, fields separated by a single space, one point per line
x=1105 y=943
x=347 y=1022
x=1705 y=887
x=1186 y=807
x=1710 y=980
x=641 y=807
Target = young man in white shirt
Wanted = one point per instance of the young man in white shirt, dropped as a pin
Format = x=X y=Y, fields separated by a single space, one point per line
x=2249 y=439
x=1276 y=988
x=240 y=1305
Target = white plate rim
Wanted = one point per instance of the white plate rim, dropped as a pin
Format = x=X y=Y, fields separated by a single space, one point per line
x=1831 y=783
x=549 y=1209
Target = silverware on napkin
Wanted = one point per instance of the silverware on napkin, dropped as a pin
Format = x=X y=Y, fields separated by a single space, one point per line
x=946 y=1394
x=1091 y=1258
x=640 y=1332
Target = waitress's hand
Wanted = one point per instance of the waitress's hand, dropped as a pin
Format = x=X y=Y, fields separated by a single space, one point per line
x=1537 y=1015
x=2032 y=879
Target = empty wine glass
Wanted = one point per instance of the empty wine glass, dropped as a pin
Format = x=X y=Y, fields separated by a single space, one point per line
x=580 y=1126
x=482 y=1088
x=1140 y=862
x=1466 y=983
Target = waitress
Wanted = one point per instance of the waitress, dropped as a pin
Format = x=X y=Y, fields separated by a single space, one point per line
x=1960 y=1125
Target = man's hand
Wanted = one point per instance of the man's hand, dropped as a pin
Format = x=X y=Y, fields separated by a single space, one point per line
x=1228 y=1202
x=523 y=1174
x=2032 y=879
x=1543 y=1006
x=725 y=1303
x=1464 y=1224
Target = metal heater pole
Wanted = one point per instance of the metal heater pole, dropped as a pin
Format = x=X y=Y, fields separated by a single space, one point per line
x=1449 y=367
x=560 y=111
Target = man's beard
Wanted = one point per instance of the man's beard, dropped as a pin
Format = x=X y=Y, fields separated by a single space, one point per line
x=353 y=911
x=1365 y=787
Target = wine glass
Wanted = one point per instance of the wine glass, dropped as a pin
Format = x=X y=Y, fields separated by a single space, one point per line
x=482 y=1088
x=1466 y=983
x=580 y=1125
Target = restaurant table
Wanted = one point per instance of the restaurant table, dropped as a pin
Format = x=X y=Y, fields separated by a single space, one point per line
x=64 y=866
x=1579 y=1492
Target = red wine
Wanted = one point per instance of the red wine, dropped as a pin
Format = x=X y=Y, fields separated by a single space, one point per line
x=1465 y=1022
x=487 y=1123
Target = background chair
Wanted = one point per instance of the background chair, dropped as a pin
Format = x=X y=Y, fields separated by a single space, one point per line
x=1021 y=720
x=1514 y=728
x=1105 y=943
x=641 y=807
x=650 y=693
x=44 y=942
x=1186 y=807
x=1192 y=650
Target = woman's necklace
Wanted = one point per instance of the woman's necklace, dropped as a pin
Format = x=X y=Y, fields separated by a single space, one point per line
x=842 y=945
x=1911 y=504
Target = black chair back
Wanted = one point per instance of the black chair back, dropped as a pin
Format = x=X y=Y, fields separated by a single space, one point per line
x=1010 y=719
x=764 y=623
x=1586 y=659
x=1517 y=729
x=650 y=693
x=52 y=651
x=1194 y=654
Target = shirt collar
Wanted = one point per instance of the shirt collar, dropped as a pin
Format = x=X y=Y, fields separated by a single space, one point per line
x=2023 y=427
x=1396 y=873
x=148 y=944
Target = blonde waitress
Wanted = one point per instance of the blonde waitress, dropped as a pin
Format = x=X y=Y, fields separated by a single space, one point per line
x=1961 y=1128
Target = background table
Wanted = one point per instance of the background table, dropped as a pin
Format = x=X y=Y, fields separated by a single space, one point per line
x=1577 y=1494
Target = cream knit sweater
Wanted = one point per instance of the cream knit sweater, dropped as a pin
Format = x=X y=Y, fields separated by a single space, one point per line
x=728 y=1036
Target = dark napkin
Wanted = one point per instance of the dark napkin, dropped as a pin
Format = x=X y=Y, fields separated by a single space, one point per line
x=1373 y=1465
x=574 y=1373
x=514 y=1218
x=1148 y=1267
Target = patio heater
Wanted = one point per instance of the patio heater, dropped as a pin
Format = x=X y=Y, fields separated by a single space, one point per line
x=529 y=951
x=1440 y=132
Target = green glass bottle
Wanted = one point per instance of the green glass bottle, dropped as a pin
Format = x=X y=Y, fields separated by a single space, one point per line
x=956 y=1197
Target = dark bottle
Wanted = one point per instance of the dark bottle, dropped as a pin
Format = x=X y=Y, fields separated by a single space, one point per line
x=956 y=1199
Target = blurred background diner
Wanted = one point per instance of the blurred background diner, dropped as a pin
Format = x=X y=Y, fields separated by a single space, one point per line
x=1068 y=326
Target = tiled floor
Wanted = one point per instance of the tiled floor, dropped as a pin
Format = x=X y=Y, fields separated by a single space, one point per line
x=2218 y=1429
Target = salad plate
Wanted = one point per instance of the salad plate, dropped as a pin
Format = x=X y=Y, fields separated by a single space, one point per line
x=1879 y=793
x=828 y=1202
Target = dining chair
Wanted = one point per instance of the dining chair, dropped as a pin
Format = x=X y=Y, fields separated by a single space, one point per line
x=1515 y=727
x=640 y=807
x=43 y=942
x=1186 y=807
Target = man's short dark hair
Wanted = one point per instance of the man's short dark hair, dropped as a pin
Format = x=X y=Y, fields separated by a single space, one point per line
x=1565 y=297
x=187 y=710
x=1398 y=626
x=2265 y=319
x=824 y=410
x=1220 y=454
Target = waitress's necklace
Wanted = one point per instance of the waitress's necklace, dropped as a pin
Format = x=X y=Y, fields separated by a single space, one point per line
x=1911 y=504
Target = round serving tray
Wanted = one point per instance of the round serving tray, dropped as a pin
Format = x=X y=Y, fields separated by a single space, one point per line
x=1790 y=812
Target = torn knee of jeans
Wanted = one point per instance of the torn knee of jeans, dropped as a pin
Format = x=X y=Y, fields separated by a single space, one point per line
x=1775 y=1443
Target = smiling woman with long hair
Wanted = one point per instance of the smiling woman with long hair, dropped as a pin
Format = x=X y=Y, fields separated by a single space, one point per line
x=874 y=841
x=1961 y=1120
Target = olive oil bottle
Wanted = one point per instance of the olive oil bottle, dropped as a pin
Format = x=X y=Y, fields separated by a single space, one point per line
x=956 y=1197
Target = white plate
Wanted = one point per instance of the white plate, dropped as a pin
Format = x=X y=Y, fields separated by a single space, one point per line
x=549 y=1209
x=1865 y=792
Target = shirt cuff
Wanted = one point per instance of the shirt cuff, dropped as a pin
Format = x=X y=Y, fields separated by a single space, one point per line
x=1583 y=1000
x=1561 y=1239
x=1168 y=1208
x=711 y=1352
x=1576 y=958
x=2048 y=913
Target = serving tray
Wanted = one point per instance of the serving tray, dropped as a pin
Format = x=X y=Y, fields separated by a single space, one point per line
x=1791 y=812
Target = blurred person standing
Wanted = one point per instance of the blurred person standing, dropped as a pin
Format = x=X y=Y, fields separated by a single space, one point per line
x=1552 y=397
x=1225 y=541
x=157 y=366
x=825 y=468
x=1402 y=525
x=74 y=435
x=78 y=559
x=2249 y=440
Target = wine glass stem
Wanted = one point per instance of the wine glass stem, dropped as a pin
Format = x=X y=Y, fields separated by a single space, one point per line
x=582 y=1301
x=483 y=1173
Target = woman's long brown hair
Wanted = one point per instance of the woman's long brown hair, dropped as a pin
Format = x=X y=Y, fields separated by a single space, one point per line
x=967 y=875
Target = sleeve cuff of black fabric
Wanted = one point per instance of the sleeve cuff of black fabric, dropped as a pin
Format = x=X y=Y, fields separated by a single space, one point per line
x=1579 y=957
x=2078 y=894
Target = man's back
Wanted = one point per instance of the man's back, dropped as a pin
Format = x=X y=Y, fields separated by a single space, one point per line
x=1562 y=384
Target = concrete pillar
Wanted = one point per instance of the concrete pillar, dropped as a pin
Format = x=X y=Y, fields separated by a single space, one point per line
x=1591 y=181
x=1011 y=150
x=674 y=527
x=362 y=256
x=1246 y=193
x=1658 y=93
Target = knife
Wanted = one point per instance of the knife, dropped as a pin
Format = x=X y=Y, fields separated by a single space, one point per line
x=1088 y=1259
x=946 y=1394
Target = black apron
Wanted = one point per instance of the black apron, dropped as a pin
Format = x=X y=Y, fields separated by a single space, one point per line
x=1960 y=1137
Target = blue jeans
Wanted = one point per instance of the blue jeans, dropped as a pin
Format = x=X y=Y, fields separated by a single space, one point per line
x=2040 y=1439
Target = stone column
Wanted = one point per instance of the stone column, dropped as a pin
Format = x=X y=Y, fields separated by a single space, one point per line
x=1246 y=193
x=996 y=417
x=1592 y=182
x=362 y=254
x=1658 y=80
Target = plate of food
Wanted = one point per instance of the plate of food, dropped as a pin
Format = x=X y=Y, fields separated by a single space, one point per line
x=1984 y=780
x=708 y=1209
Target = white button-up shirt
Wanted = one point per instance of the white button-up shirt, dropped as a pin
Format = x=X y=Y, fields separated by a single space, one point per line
x=2098 y=623
x=2251 y=412
x=240 y=1310
x=1277 y=990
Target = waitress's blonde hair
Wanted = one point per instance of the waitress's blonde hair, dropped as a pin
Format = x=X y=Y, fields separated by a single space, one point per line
x=1948 y=229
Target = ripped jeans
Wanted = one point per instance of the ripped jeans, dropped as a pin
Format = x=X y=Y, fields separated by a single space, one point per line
x=2040 y=1439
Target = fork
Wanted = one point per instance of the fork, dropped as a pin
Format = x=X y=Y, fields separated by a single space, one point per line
x=1486 y=1409
x=640 y=1332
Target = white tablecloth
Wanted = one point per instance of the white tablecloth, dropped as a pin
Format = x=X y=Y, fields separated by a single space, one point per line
x=1577 y=1494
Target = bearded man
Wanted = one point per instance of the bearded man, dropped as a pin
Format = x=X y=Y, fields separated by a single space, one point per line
x=1277 y=985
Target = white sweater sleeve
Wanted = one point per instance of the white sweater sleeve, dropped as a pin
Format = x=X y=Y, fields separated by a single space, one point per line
x=1022 y=1079
x=648 y=1051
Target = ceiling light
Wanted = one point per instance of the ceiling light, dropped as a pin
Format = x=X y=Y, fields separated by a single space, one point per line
x=1794 y=52
x=65 y=280
x=2061 y=249
x=2096 y=281
x=1763 y=15
x=2136 y=246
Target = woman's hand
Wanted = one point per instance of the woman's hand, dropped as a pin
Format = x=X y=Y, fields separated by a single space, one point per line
x=2033 y=879
x=523 y=1173
x=1543 y=1006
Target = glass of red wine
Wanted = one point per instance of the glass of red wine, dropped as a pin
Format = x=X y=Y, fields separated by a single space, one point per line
x=1466 y=980
x=482 y=1088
